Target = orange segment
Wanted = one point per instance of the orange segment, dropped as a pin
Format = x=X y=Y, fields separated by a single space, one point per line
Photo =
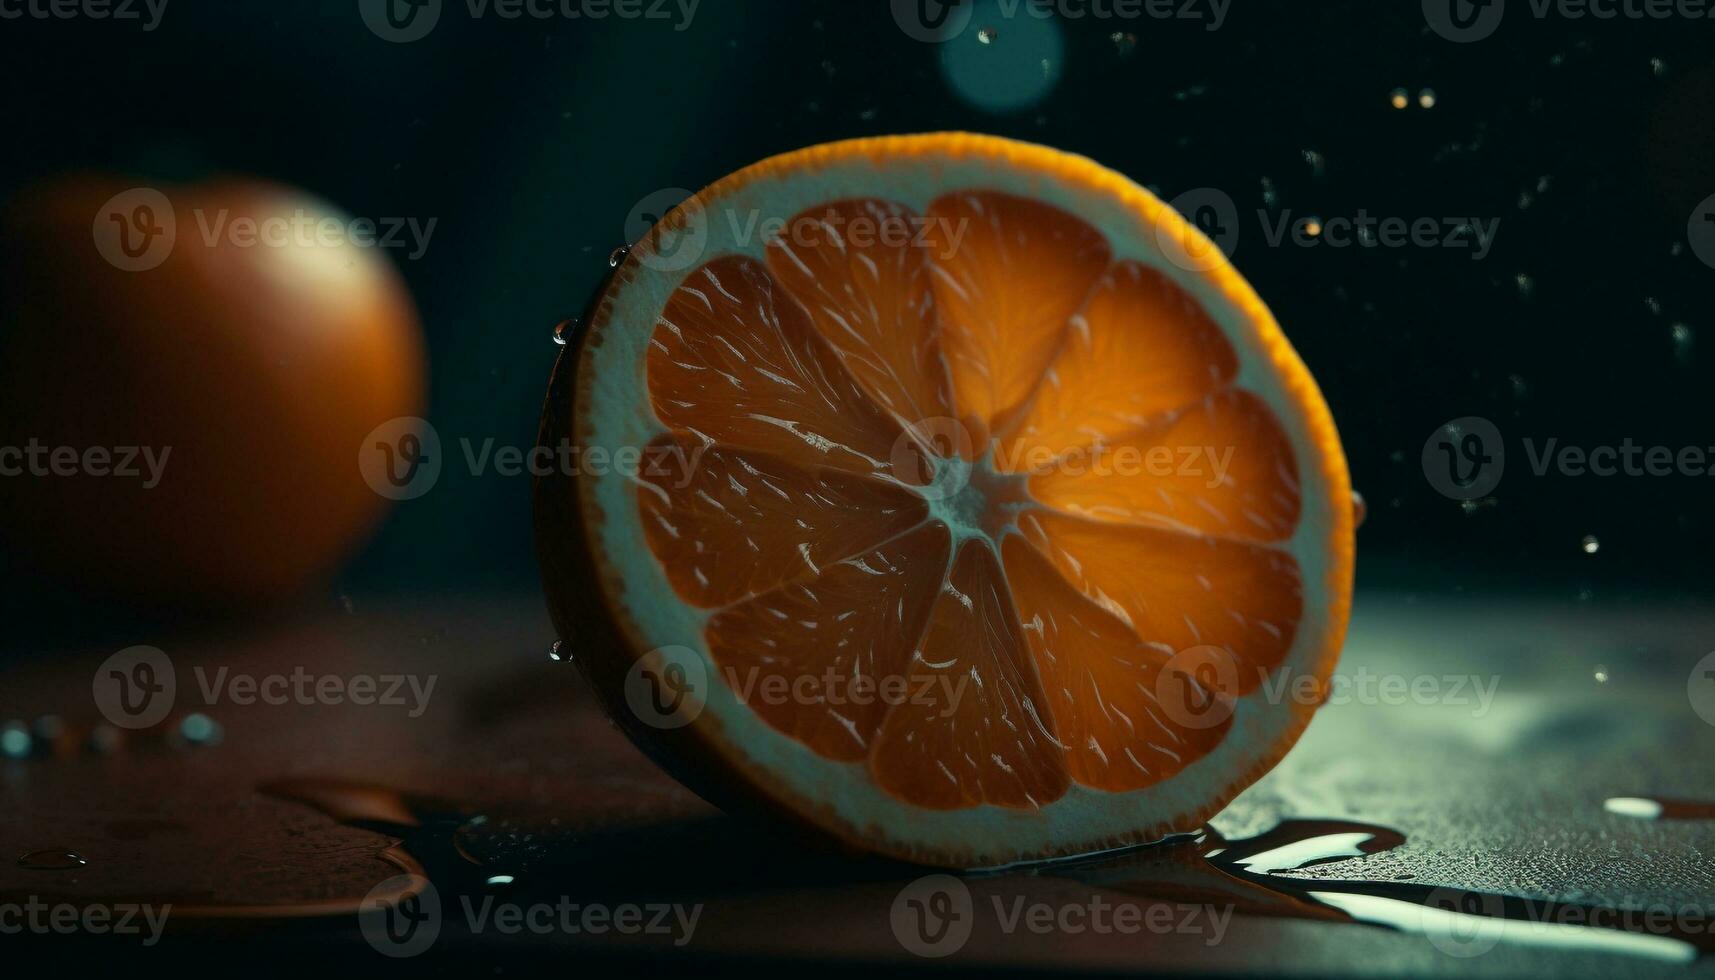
x=1101 y=683
x=728 y=523
x=1140 y=347
x=1221 y=467
x=832 y=642
x=861 y=271
x=977 y=731
x=1178 y=591
x=1009 y=274
x=734 y=359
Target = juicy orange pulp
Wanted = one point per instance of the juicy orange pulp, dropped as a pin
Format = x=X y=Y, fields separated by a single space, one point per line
x=839 y=523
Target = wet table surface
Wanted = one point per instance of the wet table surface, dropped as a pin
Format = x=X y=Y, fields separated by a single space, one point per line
x=1444 y=815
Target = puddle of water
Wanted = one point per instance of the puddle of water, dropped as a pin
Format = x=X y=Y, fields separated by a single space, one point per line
x=1254 y=875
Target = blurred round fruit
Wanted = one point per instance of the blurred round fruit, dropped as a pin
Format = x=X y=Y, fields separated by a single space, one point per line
x=188 y=374
x=952 y=495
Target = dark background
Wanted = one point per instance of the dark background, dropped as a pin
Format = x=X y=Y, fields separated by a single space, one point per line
x=530 y=140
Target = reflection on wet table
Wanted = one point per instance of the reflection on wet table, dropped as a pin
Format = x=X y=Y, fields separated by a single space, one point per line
x=1484 y=794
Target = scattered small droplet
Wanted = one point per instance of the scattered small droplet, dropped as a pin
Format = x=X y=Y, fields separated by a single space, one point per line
x=1657 y=67
x=615 y=257
x=496 y=880
x=1526 y=285
x=563 y=330
x=1426 y=98
x=104 y=739
x=52 y=859
x=1590 y=544
x=1682 y=340
x=1600 y=673
x=987 y=35
x=1124 y=43
x=15 y=741
x=1399 y=98
x=557 y=652
x=346 y=604
x=200 y=729
x=1645 y=808
x=1633 y=806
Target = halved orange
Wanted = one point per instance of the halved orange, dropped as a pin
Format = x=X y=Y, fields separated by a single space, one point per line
x=984 y=513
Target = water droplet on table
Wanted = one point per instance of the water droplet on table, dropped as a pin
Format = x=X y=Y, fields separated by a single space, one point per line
x=52 y=859
x=1650 y=808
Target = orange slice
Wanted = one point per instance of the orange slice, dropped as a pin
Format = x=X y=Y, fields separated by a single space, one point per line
x=984 y=514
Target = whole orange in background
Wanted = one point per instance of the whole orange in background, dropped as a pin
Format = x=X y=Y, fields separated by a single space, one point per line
x=230 y=345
